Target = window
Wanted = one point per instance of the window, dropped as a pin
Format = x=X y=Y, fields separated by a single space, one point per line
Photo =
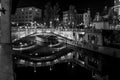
x=30 y=16
x=36 y=9
x=22 y=9
x=26 y=12
x=30 y=12
x=30 y=8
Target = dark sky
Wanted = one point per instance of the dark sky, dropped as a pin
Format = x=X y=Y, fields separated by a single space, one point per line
x=81 y=5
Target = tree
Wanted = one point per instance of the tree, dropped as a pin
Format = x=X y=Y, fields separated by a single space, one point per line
x=56 y=10
x=55 y=14
x=113 y=16
x=47 y=13
x=37 y=19
x=72 y=15
x=51 y=13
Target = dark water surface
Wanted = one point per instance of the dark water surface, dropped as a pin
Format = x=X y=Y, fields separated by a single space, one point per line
x=58 y=72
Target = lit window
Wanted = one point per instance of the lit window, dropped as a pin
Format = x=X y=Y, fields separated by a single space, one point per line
x=22 y=10
x=36 y=9
x=30 y=8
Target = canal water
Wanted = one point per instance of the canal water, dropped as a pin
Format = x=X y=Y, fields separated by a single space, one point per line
x=58 y=71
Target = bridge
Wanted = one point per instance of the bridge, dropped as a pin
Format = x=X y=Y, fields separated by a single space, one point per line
x=72 y=37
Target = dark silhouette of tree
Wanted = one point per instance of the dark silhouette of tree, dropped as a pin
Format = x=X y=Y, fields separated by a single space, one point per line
x=51 y=13
x=55 y=11
x=113 y=16
x=116 y=36
x=105 y=11
x=47 y=13
x=72 y=15
x=55 y=14
x=37 y=19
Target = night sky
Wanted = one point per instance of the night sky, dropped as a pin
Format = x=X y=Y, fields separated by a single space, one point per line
x=81 y=5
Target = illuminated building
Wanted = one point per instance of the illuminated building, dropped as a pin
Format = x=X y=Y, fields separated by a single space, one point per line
x=117 y=6
x=26 y=15
x=98 y=22
x=69 y=18
x=86 y=18
x=65 y=17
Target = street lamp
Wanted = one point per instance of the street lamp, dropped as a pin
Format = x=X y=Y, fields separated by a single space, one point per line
x=20 y=47
x=18 y=31
x=50 y=24
x=25 y=30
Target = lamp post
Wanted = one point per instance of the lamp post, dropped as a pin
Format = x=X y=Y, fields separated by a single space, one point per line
x=35 y=23
x=17 y=30
x=26 y=30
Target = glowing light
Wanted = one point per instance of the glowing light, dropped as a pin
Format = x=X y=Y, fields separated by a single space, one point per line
x=15 y=58
x=83 y=62
x=69 y=54
x=36 y=54
x=34 y=69
x=68 y=63
x=30 y=8
x=48 y=62
x=25 y=44
x=20 y=43
x=63 y=57
x=53 y=51
x=72 y=66
x=36 y=9
x=22 y=10
x=31 y=63
x=39 y=63
x=82 y=32
x=56 y=60
x=22 y=61
x=50 y=68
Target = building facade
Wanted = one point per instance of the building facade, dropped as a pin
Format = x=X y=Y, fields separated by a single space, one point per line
x=99 y=23
x=117 y=6
x=72 y=19
x=79 y=19
x=26 y=15
x=86 y=18
x=67 y=18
